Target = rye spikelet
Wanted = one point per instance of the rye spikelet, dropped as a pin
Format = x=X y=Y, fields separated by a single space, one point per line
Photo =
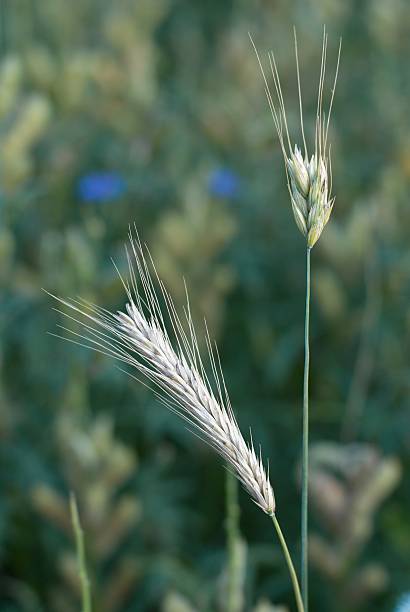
x=309 y=178
x=151 y=337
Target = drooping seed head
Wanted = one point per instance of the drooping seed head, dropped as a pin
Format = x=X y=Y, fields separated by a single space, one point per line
x=150 y=337
x=309 y=179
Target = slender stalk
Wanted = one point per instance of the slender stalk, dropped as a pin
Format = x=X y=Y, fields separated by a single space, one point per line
x=233 y=542
x=305 y=445
x=292 y=572
x=82 y=568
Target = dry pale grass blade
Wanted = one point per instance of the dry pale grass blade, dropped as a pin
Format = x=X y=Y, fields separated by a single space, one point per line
x=151 y=337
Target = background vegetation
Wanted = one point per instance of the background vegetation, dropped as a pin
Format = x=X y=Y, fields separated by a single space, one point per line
x=153 y=112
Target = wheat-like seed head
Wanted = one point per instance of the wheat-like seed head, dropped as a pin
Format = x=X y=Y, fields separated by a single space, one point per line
x=141 y=337
x=309 y=178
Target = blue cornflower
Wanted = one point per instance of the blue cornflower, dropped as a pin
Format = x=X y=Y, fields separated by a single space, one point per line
x=100 y=186
x=224 y=183
x=403 y=603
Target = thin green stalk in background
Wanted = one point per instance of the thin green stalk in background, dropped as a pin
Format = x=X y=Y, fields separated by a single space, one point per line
x=82 y=567
x=292 y=572
x=365 y=361
x=305 y=444
x=233 y=537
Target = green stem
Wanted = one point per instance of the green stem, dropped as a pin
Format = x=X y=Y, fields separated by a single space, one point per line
x=82 y=568
x=234 y=579
x=292 y=572
x=305 y=445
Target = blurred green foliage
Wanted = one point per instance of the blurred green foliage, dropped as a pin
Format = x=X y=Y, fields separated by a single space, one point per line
x=154 y=113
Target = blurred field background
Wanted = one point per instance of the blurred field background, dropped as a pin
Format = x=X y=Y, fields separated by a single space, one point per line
x=153 y=112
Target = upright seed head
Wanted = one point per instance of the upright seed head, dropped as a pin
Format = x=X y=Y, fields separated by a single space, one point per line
x=308 y=188
x=309 y=180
